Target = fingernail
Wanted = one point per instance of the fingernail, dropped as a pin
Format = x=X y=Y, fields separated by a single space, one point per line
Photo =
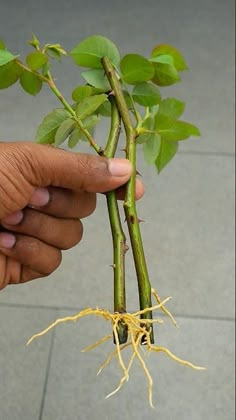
x=120 y=167
x=7 y=240
x=40 y=197
x=13 y=219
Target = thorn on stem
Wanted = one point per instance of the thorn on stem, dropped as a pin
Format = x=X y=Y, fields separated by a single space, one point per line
x=126 y=248
x=141 y=220
x=112 y=265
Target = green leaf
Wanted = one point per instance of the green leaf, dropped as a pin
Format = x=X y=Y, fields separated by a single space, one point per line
x=154 y=110
x=97 y=79
x=165 y=49
x=128 y=99
x=146 y=130
x=144 y=137
x=148 y=122
x=9 y=74
x=165 y=74
x=91 y=50
x=151 y=148
x=105 y=109
x=2 y=45
x=164 y=59
x=6 y=57
x=30 y=83
x=75 y=137
x=172 y=107
x=167 y=151
x=36 y=60
x=146 y=94
x=63 y=131
x=89 y=105
x=81 y=92
x=47 y=129
x=46 y=68
x=78 y=135
x=171 y=129
x=136 y=69
x=91 y=121
x=34 y=42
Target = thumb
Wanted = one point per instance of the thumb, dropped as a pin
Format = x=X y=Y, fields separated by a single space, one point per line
x=45 y=165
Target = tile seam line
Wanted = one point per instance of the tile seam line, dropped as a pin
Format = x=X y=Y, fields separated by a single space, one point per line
x=207 y=153
x=74 y=309
x=42 y=405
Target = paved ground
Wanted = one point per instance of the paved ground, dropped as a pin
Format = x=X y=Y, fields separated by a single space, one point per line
x=189 y=233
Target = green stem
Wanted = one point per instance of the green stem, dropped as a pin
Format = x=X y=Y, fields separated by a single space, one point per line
x=49 y=80
x=67 y=106
x=118 y=236
x=129 y=203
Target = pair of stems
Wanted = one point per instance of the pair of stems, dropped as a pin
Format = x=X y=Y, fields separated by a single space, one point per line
x=120 y=108
x=120 y=113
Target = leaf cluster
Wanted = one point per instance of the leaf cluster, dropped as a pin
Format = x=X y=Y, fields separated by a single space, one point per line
x=156 y=119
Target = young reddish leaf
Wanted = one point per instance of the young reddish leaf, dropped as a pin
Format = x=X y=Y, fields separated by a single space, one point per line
x=146 y=94
x=168 y=150
x=30 y=83
x=91 y=50
x=9 y=74
x=165 y=49
x=36 y=60
x=136 y=69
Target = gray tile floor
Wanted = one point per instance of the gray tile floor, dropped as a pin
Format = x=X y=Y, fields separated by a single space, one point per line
x=189 y=231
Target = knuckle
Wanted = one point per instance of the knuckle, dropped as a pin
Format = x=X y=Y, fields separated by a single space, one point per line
x=54 y=263
x=91 y=205
x=74 y=237
x=92 y=168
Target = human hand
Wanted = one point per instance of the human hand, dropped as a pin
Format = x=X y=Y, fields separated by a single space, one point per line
x=44 y=192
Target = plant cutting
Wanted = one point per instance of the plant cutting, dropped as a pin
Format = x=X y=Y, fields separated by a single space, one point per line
x=125 y=90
